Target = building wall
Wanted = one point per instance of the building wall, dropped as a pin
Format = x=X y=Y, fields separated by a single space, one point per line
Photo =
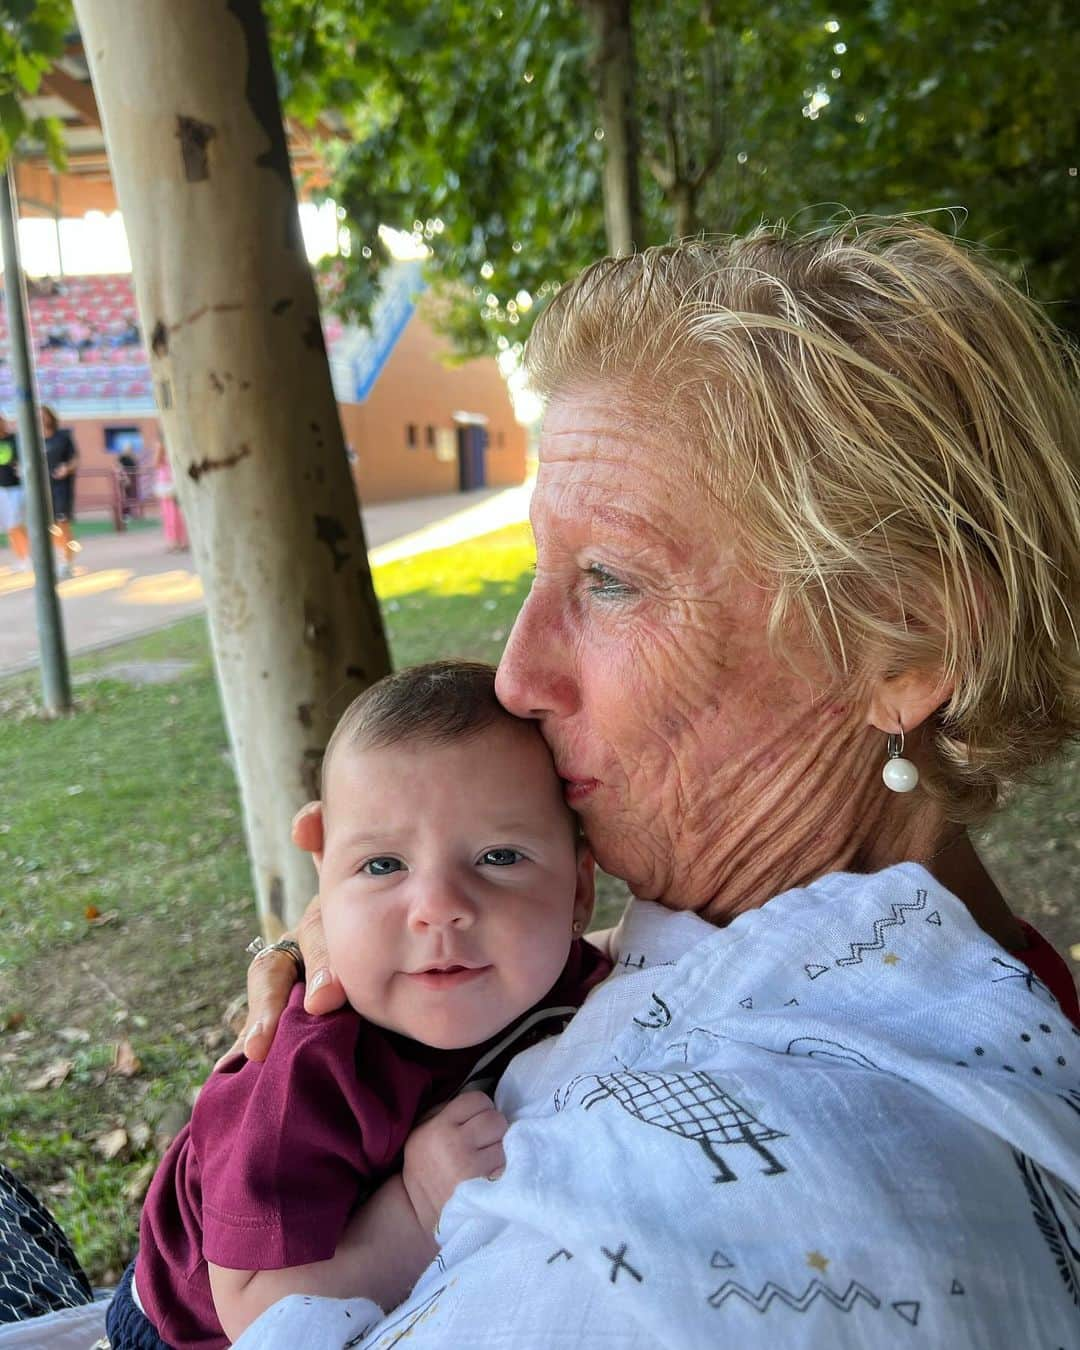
x=414 y=389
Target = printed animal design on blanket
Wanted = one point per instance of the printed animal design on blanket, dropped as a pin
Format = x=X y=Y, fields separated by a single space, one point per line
x=691 y=1105
x=1060 y=1228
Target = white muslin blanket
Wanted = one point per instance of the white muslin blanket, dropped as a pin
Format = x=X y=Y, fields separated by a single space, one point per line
x=849 y=1119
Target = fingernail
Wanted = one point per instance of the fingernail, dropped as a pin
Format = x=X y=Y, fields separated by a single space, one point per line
x=256 y=1030
x=318 y=980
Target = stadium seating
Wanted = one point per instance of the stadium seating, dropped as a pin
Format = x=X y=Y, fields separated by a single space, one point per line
x=91 y=314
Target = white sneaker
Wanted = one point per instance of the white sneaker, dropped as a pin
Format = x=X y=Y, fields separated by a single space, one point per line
x=23 y=565
x=63 y=571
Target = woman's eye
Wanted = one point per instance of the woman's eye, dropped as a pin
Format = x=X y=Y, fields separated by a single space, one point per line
x=605 y=582
x=501 y=857
x=382 y=867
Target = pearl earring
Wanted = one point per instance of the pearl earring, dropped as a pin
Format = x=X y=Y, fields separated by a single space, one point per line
x=576 y=927
x=899 y=774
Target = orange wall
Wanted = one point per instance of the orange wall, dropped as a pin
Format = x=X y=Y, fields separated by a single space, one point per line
x=416 y=388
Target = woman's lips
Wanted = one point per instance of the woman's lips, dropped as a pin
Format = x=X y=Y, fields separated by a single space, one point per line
x=449 y=978
x=575 y=790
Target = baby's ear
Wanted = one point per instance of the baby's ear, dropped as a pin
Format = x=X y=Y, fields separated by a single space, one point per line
x=308 y=831
x=585 y=888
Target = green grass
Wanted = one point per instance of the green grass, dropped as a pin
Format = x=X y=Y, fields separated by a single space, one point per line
x=129 y=810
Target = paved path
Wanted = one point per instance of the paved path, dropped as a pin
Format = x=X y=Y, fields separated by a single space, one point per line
x=126 y=584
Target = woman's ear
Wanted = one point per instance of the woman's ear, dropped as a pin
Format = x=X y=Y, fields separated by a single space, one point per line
x=904 y=702
x=585 y=888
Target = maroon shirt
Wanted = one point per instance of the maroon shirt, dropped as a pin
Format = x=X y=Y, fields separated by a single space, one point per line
x=278 y=1155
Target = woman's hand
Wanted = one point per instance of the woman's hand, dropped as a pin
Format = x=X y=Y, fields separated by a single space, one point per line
x=463 y=1140
x=270 y=978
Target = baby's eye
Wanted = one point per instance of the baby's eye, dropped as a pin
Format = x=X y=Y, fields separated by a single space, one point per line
x=501 y=857
x=382 y=867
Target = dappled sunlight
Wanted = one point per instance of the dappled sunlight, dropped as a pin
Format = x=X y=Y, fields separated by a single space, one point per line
x=165 y=588
x=12 y=581
x=94 y=583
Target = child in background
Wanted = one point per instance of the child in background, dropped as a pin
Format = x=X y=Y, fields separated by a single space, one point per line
x=172 y=517
x=454 y=890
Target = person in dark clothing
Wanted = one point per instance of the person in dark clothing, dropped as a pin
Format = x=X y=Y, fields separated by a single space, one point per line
x=63 y=459
x=127 y=466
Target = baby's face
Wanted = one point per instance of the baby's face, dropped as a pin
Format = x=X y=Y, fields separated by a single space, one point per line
x=450 y=881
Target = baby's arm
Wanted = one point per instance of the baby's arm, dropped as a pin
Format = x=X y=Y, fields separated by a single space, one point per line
x=389 y=1240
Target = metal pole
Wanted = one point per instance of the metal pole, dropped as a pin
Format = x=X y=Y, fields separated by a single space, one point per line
x=55 y=678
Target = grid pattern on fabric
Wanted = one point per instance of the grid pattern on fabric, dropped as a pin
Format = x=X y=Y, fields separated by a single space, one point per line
x=39 y=1272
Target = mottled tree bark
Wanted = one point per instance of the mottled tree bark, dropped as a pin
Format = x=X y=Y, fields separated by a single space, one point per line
x=229 y=310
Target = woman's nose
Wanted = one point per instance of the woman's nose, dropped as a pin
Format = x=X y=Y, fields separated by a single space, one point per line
x=535 y=678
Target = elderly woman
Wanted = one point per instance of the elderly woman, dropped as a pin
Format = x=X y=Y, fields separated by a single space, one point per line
x=808 y=566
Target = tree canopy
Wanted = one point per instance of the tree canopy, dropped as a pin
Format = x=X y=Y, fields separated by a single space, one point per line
x=32 y=35
x=480 y=129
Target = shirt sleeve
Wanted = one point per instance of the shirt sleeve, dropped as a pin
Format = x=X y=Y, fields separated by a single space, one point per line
x=283 y=1146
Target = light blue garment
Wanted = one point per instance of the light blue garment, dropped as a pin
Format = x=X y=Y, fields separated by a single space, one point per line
x=849 y=1119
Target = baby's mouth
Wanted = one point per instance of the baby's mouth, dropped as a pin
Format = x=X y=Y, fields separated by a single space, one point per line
x=447 y=975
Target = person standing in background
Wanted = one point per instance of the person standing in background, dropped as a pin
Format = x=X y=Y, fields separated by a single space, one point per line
x=13 y=498
x=172 y=518
x=127 y=466
x=62 y=458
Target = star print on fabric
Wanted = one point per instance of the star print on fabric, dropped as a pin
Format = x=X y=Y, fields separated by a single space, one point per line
x=817 y=1261
x=890 y=959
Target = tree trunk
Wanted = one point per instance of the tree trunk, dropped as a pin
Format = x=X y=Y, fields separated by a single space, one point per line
x=684 y=199
x=228 y=306
x=613 y=67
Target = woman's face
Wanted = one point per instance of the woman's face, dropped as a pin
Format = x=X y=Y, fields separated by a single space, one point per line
x=641 y=649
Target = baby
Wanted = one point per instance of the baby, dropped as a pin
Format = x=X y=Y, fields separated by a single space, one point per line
x=454 y=890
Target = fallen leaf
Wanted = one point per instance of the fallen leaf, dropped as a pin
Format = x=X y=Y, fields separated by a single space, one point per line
x=12 y=1020
x=111 y=1143
x=96 y=919
x=126 y=1062
x=74 y=1035
x=51 y=1076
x=91 y=912
x=139 y=1183
x=140 y=1135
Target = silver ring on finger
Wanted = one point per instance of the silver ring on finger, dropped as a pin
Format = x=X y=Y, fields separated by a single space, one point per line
x=260 y=949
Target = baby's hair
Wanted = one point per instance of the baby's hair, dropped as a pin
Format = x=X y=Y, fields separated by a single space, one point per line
x=438 y=702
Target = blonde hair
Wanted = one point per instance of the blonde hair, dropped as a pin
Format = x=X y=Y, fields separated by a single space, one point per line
x=894 y=429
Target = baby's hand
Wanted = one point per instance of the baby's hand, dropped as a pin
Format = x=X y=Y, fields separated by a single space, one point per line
x=463 y=1140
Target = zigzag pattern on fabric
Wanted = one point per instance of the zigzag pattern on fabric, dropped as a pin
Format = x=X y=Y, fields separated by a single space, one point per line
x=799 y=1302
x=899 y=914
